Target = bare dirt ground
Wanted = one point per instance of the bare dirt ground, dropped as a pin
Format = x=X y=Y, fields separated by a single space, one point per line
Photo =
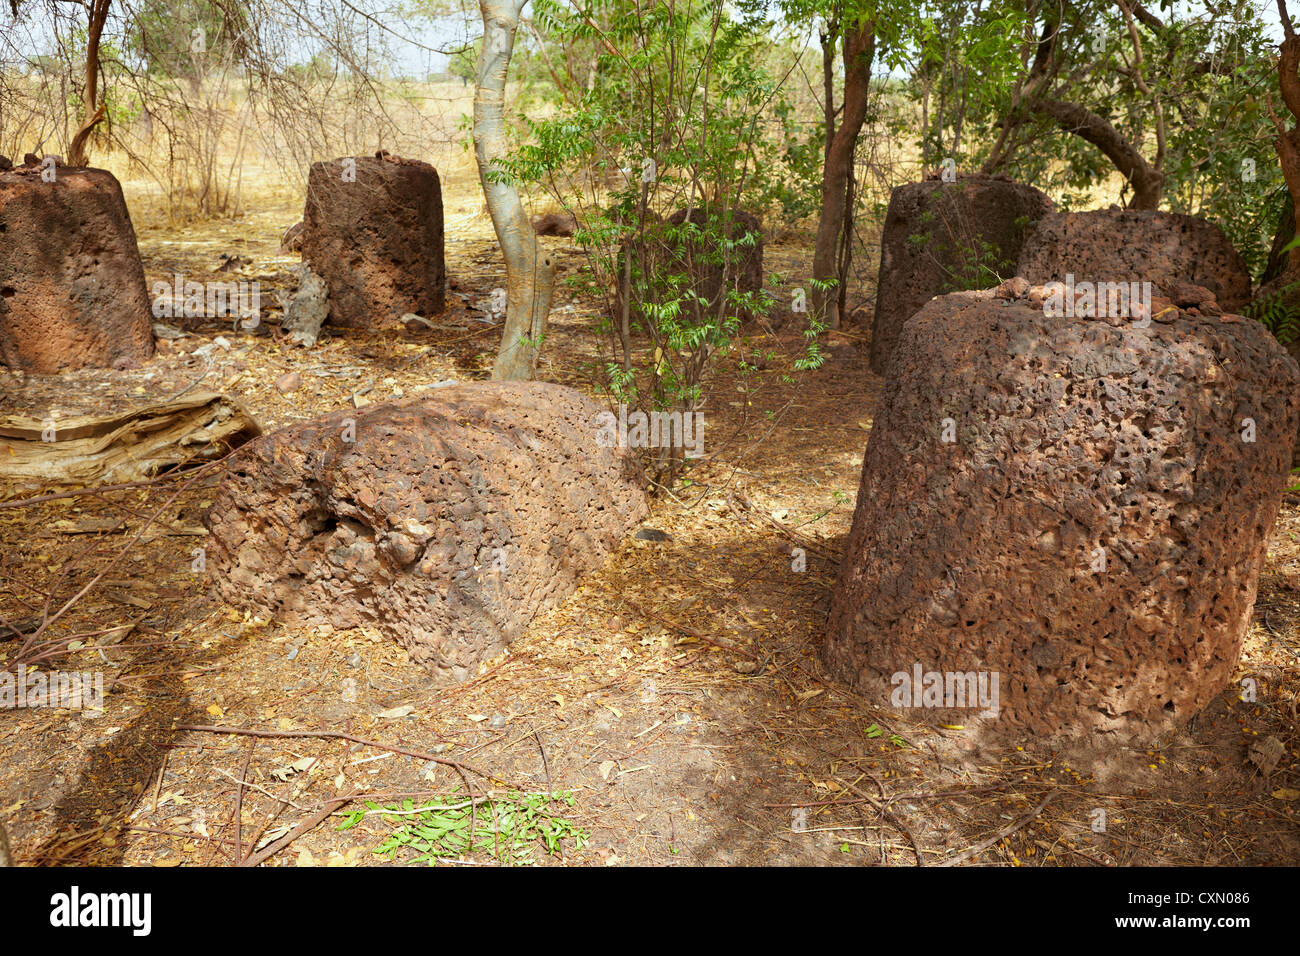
x=676 y=696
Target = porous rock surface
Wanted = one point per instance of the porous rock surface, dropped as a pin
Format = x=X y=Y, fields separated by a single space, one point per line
x=72 y=289
x=1129 y=245
x=446 y=523
x=942 y=237
x=373 y=230
x=1092 y=532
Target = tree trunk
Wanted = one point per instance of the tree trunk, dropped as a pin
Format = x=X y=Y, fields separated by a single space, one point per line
x=530 y=274
x=859 y=50
x=97 y=13
x=1278 y=261
x=1287 y=142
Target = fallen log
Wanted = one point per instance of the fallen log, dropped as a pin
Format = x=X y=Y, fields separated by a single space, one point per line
x=126 y=446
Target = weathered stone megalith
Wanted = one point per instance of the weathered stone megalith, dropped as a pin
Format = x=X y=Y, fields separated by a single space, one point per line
x=1129 y=245
x=942 y=237
x=1077 y=507
x=446 y=523
x=742 y=266
x=372 y=229
x=72 y=290
x=660 y=249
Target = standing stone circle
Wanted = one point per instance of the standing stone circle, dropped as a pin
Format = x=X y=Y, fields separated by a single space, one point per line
x=72 y=289
x=1094 y=528
x=372 y=229
x=943 y=237
x=446 y=523
x=1125 y=245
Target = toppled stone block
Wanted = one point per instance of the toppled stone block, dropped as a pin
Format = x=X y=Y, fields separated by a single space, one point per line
x=446 y=523
x=563 y=224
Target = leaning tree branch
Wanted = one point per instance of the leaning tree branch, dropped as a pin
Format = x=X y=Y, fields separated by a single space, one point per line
x=1132 y=165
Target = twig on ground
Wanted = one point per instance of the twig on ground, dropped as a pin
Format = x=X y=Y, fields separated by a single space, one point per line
x=335 y=735
x=1002 y=834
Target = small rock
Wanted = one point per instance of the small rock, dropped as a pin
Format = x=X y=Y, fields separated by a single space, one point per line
x=291 y=241
x=497 y=722
x=1266 y=753
x=1187 y=295
x=651 y=534
x=306 y=311
x=293 y=654
x=353 y=660
x=162 y=330
x=1017 y=287
x=1162 y=310
x=555 y=224
x=6 y=162
x=288 y=382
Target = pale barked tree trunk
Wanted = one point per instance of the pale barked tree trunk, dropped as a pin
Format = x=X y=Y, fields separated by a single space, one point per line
x=530 y=273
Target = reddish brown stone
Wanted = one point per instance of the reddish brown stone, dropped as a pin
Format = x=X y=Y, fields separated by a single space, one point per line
x=1071 y=435
x=1128 y=245
x=447 y=523
x=556 y=224
x=72 y=290
x=656 y=254
x=376 y=239
x=944 y=237
x=742 y=266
